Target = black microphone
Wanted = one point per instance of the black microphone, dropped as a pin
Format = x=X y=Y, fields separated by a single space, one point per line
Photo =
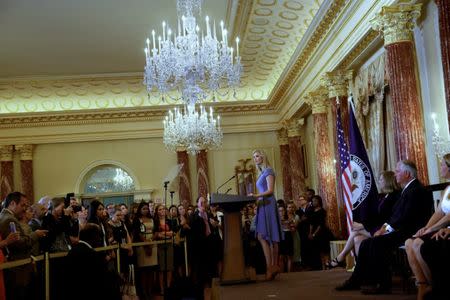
x=227 y=191
x=225 y=183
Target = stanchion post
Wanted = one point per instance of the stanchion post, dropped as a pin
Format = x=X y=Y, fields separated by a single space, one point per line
x=47 y=276
x=186 y=256
x=118 y=259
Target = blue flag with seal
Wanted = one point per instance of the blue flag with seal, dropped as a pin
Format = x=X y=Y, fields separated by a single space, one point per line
x=363 y=187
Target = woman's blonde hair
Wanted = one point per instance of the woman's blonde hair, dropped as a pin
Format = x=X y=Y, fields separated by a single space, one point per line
x=265 y=163
x=390 y=183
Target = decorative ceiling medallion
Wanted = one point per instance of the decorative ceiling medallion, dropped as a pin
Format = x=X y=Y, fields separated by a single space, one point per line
x=62 y=93
x=101 y=103
x=284 y=25
x=80 y=91
x=247 y=51
x=273 y=48
x=277 y=41
x=84 y=104
x=268 y=61
x=95 y=83
x=262 y=72
x=98 y=91
x=30 y=107
x=280 y=33
x=119 y=102
x=270 y=55
x=262 y=78
x=260 y=21
x=252 y=45
x=254 y=38
x=25 y=94
x=12 y=107
x=43 y=93
x=287 y=15
x=66 y=104
x=263 y=12
x=48 y=105
x=257 y=30
x=294 y=5
x=248 y=59
x=137 y=100
x=113 y=82
x=267 y=2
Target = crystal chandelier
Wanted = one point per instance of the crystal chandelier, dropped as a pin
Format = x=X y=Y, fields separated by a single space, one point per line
x=191 y=61
x=192 y=129
x=441 y=147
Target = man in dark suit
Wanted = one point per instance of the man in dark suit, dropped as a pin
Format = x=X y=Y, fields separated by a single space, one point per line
x=88 y=277
x=410 y=213
x=17 y=280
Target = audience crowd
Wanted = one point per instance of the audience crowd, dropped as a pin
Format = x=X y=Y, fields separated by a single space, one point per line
x=65 y=225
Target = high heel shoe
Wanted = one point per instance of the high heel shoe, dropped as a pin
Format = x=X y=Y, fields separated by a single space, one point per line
x=335 y=263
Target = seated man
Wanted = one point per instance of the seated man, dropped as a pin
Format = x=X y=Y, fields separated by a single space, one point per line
x=410 y=213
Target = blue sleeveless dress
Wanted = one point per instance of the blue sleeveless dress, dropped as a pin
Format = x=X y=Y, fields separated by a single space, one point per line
x=268 y=223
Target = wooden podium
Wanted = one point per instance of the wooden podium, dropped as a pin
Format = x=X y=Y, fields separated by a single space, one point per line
x=233 y=258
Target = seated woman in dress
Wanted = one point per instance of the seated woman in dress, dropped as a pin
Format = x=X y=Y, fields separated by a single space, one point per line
x=391 y=192
x=440 y=219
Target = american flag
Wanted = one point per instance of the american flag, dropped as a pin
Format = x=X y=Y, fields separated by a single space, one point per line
x=346 y=171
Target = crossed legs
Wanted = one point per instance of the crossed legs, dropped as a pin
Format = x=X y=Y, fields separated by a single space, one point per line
x=418 y=266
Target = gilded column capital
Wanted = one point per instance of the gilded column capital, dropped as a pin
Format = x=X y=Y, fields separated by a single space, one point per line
x=26 y=151
x=293 y=127
x=6 y=152
x=336 y=83
x=318 y=100
x=397 y=22
x=282 y=137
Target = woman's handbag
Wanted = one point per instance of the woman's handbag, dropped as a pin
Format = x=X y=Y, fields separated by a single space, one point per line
x=129 y=287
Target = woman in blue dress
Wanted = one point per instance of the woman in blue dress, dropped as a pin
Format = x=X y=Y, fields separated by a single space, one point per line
x=268 y=226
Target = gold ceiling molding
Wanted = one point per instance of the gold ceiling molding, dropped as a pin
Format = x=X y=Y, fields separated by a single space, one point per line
x=319 y=34
x=368 y=39
x=116 y=116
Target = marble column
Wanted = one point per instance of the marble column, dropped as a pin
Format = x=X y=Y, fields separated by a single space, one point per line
x=184 y=187
x=396 y=24
x=326 y=168
x=337 y=84
x=296 y=158
x=26 y=170
x=6 y=171
x=202 y=173
x=285 y=163
x=444 y=34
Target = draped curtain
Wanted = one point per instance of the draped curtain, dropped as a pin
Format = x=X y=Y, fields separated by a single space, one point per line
x=373 y=113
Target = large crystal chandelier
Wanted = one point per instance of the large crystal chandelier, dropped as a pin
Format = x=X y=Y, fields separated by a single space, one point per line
x=192 y=129
x=192 y=61
x=195 y=64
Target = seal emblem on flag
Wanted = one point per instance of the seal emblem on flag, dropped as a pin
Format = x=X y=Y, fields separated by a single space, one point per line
x=361 y=180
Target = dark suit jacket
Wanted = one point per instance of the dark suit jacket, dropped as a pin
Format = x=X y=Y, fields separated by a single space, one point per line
x=21 y=248
x=88 y=277
x=412 y=210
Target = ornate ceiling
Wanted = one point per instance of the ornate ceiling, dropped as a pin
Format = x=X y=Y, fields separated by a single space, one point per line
x=65 y=55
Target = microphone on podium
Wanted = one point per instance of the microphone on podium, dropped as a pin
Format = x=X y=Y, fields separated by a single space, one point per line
x=228 y=191
x=217 y=191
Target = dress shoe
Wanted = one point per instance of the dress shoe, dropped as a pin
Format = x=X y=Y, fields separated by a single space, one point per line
x=376 y=290
x=348 y=285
